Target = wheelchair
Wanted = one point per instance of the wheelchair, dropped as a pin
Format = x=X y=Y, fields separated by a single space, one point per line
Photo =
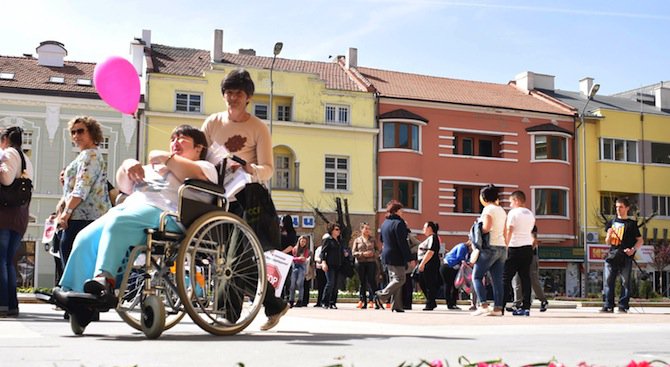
x=214 y=271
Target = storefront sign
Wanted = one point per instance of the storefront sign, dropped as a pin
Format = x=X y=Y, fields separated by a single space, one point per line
x=597 y=253
x=561 y=253
x=307 y=221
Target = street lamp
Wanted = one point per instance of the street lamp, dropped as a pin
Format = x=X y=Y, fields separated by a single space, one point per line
x=275 y=52
x=592 y=93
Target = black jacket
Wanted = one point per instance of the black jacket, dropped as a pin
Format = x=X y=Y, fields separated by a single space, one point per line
x=394 y=237
x=331 y=252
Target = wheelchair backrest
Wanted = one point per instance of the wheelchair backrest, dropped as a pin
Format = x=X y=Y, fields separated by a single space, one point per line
x=196 y=198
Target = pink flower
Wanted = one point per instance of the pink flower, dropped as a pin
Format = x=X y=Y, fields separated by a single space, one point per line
x=436 y=363
x=639 y=364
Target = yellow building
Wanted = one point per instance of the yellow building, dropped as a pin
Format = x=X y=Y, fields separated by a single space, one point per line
x=322 y=122
x=627 y=145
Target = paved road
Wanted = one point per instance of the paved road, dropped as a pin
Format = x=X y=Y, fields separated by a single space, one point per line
x=348 y=336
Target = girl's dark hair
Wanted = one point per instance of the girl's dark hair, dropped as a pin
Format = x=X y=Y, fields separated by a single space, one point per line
x=238 y=79
x=434 y=226
x=194 y=133
x=14 y=135
x=392 y=207
x=92 y=126
x=489 y=193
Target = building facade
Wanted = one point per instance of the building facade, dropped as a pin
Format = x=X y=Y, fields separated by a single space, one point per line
x=41 y=94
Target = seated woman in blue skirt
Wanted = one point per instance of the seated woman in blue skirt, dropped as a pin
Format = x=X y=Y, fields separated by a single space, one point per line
x=100 y=251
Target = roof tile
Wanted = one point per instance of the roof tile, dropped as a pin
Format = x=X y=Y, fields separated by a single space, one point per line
x=29 y=77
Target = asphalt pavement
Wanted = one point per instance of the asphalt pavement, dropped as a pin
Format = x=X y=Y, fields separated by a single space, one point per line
x=347 y=336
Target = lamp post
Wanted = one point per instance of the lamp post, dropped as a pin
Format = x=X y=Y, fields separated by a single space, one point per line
x=275 y=52
x=592 y=93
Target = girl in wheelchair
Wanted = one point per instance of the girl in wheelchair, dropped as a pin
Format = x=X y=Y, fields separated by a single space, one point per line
x=100 y=251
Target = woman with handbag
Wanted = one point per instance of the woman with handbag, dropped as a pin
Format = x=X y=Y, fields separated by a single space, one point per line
x=247 y=137
x=85 y=197
x=13 y=220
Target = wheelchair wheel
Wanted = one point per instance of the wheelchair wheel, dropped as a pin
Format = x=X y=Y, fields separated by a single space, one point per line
x=76 y=326
x=221 y=271
x=153 y=317
x=129 y=308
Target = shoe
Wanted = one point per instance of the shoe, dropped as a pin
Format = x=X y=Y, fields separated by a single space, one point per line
x=299 y=305
x=495 y=313
x=333 y=307
x=317 y=305
x=428 y=308
x=481 y=311
x=290 y=304
x=512 y=308
x=273 y=320
x=543 y=306
x=606 y=310
x=472 y=308
x=521 y=312
x=388 y=305
x=621 y=310
x=360 y=304
x=400 y=310
x=326 y=306
x=371 y=304
x=453 y=308
x=98 y=286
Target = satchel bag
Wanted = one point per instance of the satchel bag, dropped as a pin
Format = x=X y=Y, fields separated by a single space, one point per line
x=260 y=214
x=20 y=191
x=616 y=257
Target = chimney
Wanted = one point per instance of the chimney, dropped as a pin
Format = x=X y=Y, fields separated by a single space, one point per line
x=352 y=59
x=662 y=97
x=146 y=37
x=585 y=85
x=137 y=55
x=51 y=53
x=247 y=52
x=528 y=81
x=217 y=52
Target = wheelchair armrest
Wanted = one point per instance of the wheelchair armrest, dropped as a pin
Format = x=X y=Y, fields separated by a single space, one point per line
x=205 y=186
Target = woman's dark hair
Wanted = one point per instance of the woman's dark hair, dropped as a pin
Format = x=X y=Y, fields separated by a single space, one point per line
x=330 y=227
x=489 y=193
x=92 y=126
x=392 y=207
x=287 y=223
x=434 y=226
x=14 y=136
x=238 y=79
x=194 y=133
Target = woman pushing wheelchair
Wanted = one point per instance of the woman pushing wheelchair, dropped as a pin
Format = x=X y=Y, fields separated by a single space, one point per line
x=100 y=251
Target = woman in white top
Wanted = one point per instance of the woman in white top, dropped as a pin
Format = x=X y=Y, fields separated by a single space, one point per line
x=491 y=259
x=13 y=221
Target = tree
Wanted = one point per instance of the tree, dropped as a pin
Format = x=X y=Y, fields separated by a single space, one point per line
x=660 y=260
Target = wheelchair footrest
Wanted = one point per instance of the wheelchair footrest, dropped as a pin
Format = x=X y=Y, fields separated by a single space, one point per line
x=75 y=301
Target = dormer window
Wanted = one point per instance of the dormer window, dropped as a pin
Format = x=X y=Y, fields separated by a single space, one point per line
x=7 y=76
x=84 y=82
x=57 y=79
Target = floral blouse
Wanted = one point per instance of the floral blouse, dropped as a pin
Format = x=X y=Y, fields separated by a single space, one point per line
x=86 y=178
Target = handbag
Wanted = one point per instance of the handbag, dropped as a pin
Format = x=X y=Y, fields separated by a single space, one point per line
x=20 y=191
x=479 y=239
x=616 y=257
x=464 y=278
x=260 y=214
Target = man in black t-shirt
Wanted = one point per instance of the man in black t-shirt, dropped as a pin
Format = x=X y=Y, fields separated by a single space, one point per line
x=624 y=238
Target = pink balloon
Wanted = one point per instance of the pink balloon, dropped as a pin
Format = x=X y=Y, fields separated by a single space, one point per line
x=117 y=83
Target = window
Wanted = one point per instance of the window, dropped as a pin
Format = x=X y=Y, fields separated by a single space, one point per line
x=84 y=82
x=27 y=143
x=187 y=102
x=608 y=201
x=660 y=153
x=618 y=150
x=467 y=199
x=551 y=202
x=57 y=79
x=661 y=205
x=284 y=113
x=261 y=111
x=337 y=173
x=401 y=135
x=7 y=76
x=477 y=145
x=282 y=175
x=337 y=114
x=405 y=191
x=550 y=147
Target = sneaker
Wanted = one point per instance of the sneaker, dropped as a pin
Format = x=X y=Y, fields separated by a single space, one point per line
x=453 y=308
x=621 y=310
x=273 y=320
x=472 y=308
x=495 y=313
x=481 y=311
x=512 y=308
x=360 y=304
x=543 y=306
x=521 y=312
x=606 y=310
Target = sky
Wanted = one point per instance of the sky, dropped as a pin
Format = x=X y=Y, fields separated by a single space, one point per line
x=622 y=44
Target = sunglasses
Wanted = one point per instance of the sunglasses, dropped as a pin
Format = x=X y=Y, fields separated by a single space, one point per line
x=78 y=131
